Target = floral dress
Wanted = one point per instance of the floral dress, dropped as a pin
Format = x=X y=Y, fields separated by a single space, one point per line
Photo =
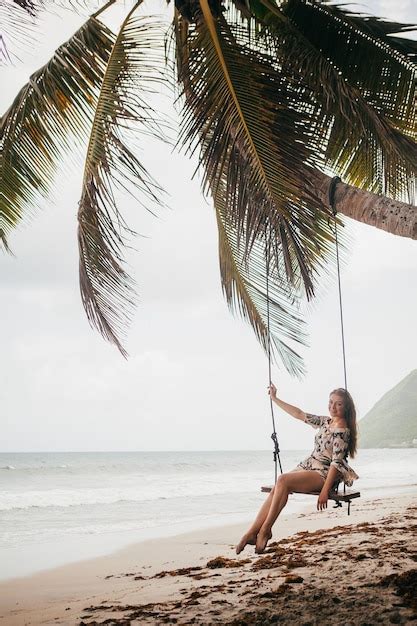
x=330 y=448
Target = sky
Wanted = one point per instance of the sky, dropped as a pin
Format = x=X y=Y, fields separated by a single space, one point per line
x=196 y=378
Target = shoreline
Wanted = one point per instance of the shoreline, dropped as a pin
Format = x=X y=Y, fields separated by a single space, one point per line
x=58 y=510
x=71 y=549
x=147 y=572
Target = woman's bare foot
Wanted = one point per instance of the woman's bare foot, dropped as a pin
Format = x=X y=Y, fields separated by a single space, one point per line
x=247 y=539
x=261 y=540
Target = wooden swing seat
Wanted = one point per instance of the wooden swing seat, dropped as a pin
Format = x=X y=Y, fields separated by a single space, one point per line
x=347 y=496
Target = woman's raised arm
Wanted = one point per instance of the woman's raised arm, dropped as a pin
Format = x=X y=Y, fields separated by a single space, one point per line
x=288 y=408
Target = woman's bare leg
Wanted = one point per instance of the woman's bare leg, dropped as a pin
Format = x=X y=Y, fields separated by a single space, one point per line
x=301 y=481
x=250 y=536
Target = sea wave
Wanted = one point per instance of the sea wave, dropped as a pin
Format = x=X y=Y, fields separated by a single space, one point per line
x=124 y=463
x=140 y=467
x=65 y=498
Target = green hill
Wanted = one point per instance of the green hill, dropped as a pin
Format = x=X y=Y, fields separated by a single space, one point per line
x=392 y=422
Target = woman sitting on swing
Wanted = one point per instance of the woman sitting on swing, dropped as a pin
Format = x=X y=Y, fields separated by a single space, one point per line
x=325 y=466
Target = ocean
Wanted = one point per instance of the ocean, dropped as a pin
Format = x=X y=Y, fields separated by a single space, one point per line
x=61 y=507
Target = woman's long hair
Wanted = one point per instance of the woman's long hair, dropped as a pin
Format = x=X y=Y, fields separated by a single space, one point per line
x=350 y=417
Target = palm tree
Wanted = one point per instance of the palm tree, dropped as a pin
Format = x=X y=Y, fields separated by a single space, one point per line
x=277 y=96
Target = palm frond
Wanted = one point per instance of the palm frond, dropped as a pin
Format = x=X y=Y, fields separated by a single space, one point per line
x=4 y=242
x=19 y=32
x=30 y=6
x=252 y=129
x=17 y=29
x=370 y=146
x=50 y=117
x=367 y=87
x=92 y=89
x=132 y=69
x=244 y=286
x=34 y=6
x=378 y=29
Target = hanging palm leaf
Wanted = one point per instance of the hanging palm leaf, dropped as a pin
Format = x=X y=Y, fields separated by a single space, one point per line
x=272 y=308
x=253 y=140
x=33 y=6
x=16 y=28
x=132 y=67
x=28 y=5
x=388 y=90
x=48 y=118
x=65 y=103
x=375 y=29
x=369 y=116
x=19 y=23
x=384 y=31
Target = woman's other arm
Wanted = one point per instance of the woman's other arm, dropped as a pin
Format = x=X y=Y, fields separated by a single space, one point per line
x=332 y=476
x=288 y=408
x=340 y=447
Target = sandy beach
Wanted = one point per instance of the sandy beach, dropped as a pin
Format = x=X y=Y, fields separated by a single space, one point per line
x=319 y=567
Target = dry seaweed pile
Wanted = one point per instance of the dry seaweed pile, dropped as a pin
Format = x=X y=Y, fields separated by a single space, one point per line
x=363 y=574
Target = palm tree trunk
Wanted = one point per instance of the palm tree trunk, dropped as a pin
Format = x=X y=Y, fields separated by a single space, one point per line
x=398 y=218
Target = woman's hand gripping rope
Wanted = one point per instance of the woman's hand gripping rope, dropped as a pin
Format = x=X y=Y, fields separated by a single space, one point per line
x=272 y=390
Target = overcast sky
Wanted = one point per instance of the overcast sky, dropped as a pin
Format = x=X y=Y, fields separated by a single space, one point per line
x=196 y=377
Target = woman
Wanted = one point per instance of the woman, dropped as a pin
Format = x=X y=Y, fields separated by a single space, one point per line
x=325 y=466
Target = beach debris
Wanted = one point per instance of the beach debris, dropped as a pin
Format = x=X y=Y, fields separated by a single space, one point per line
x=406 y=586
x=220 y=601
x=296 y=560
x=182 y=571
x=279 y=591
x=290 y=579
x=133 y=611
x=134 y=575
x=256 y=618
x=262 y=592
x=221 y=561
x=275 y=557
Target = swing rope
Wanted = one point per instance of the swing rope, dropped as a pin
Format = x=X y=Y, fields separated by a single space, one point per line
x=332 y=189
x=274 y=437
